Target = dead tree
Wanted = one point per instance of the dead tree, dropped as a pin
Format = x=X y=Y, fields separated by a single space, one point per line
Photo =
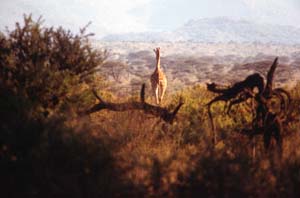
x=265 y=122
x=163 y=113
x=236 y=94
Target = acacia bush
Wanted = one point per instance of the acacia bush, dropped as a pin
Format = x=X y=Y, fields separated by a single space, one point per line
x=44 y=71
x=45 y=75
x=43 y=64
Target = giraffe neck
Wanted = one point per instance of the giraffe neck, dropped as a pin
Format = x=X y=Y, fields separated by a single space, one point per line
x=158 y=63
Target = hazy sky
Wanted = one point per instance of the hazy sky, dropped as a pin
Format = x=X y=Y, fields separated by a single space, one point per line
x=116 y=16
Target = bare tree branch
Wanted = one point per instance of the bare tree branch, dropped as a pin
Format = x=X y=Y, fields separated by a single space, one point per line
x=97 y=96
x=163 y=113
x=270 y=76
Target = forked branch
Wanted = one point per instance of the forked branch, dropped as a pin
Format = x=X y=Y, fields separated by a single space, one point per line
x=163 y=113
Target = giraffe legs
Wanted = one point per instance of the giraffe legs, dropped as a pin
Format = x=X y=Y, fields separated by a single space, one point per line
x=162 y=92
x=155 y=90
x=159 y=92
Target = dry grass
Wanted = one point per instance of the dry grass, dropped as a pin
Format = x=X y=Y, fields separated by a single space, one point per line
x=157 y=159
x=131 y=154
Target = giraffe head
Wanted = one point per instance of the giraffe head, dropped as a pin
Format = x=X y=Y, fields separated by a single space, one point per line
x=157 y=52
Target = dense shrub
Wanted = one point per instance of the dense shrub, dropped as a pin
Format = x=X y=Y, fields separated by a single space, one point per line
x=45 y=74
x=43 y=64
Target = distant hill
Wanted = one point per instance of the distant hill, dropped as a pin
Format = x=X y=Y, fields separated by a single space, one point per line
x=214 y=30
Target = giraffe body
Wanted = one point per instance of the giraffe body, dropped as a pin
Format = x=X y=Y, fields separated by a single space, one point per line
x=158 y=79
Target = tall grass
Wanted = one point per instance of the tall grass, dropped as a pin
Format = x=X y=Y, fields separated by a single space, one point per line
x=181 y=160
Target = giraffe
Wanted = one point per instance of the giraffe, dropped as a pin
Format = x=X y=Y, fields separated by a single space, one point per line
x=158 y=79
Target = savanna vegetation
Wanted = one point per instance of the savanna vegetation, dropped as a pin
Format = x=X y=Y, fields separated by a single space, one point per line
x=54 y=142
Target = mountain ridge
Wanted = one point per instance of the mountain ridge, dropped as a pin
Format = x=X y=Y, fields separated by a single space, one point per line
x=217 y=30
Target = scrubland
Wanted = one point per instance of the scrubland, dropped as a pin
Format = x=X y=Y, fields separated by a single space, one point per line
x=50 y=148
